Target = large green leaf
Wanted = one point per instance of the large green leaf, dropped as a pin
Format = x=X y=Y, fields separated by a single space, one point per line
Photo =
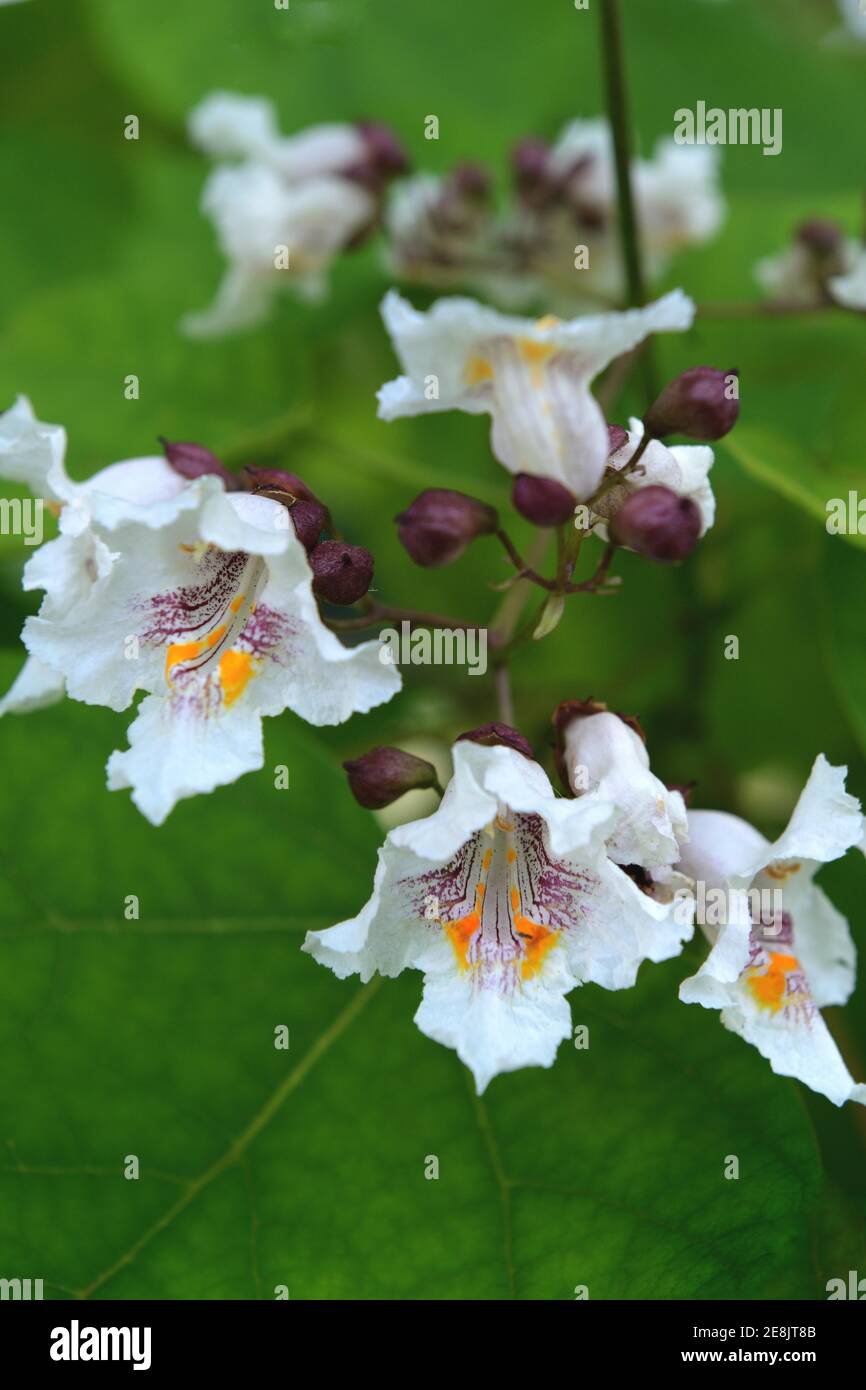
x=305 y=1167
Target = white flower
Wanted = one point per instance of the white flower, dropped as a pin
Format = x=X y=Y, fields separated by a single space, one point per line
x=683 y=468
x=677 y=197
x=506 y=900
x=783 y=952
x=600 y=752
x=533 y=377
x=282 y=214
x=200 y=597
x=850 y=289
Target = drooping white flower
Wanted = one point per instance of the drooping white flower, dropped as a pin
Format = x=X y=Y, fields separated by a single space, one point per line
x=288 y=207
x=506 y=900
x=683 y=468
x=850 y=289
x=532 y=377
x=602 y=752
x=200 y=597
x=781 y=951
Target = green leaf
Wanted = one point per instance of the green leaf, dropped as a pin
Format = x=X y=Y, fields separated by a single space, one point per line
x=306 y=1168
x=786 y=469
x=844 y=587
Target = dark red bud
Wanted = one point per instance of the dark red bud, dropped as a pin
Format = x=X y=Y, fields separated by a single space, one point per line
x=543 y=501
x=821 y=236
x=438 y=526
x=658 y=524
x=195 y=461
x=384 y=156
x=469 y=182
x=275 y=480
x=381 y=776
x=497 y=735
x=700 y=403
x=617 y=438
x=341 y=573
x=309 y=520
x=529 y=161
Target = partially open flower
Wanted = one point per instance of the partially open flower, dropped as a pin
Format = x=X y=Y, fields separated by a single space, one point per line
x=780 y=949
x=702 y=403
x=682 y=469
x=599 y=751
x=506 y=900
x=381 y=776
x=438 y=526
x=532 y=377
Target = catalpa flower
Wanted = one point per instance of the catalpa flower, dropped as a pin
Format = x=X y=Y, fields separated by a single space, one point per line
x=820 y=265
x=682 y=468
x=532 y=377
x=286 y=210
x=605 y=753
x=202 y=598
x=781 y=950
x=505 y=899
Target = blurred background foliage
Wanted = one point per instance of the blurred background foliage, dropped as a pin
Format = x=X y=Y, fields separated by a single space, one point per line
x=156 y=1037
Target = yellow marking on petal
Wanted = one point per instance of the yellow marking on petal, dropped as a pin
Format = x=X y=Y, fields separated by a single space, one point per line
x=537 y=941
x=781 y=871
x=549 y=321
x=512 y=855
x=768 y=986
x=503 y=825
x=461 y=933
x=179 y=652
x=213 y=637
x=486 y=858
x=237 y=603
x=478 y=370
x=236 y=669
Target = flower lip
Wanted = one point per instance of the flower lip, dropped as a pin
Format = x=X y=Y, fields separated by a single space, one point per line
x=499 y=735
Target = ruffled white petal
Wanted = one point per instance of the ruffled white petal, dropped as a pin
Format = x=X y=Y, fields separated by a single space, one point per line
x=30 y=452
x=533 y=377
x=850 y=289
x=226 y=125
x=604 y=755
x=35 y=687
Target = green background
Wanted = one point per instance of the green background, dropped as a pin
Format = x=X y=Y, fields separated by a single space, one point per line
x=305 y=1168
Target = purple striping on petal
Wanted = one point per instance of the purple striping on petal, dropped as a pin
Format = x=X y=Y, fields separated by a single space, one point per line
x=267 y=630
x=194 y=608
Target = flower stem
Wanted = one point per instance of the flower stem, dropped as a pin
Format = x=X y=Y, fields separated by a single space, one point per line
x=504 y=699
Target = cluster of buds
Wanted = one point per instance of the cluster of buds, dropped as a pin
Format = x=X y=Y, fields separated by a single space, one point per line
x=342 y=574
x=820 y=266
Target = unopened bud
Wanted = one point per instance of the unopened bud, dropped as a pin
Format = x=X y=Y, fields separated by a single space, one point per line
x=617 y=437
x=381 y=776
x=309 y=520
x=438 y=526
x=469 y=182
x=658 y=523
x=496 y=735
x=341 y=573
x=543 y=501
x=700 y=404
x=271 y=480
x=195 y=461
x=530 y=163
x=820 y=235
x=385 y=155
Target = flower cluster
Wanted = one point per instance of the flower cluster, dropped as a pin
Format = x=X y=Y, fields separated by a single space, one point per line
x=821 y=266
x=285 y=206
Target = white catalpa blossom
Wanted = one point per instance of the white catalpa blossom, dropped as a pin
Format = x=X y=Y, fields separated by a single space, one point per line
x=505 y=899
x=283 y=212
x=781 y=951
x=849 y=289
x=532 y=377
x=799 y=276
x=201 y=597
x=601 y=752
x=683 y=468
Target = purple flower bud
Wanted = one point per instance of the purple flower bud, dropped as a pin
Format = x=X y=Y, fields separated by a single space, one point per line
x=381 y=776
x=499 y=735
x=820 y=236
x=309 y=520
x=543 y=501
x=617 y=438
x=195 y=461
x=273 y=480
x=699 y=404
x=438 y=526
x=341 y=573
x=469 y=182
x=658 y=524
x=385 y=153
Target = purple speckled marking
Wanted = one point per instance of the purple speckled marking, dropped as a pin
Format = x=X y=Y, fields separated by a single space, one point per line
x=553 y=894
x=191 y=611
